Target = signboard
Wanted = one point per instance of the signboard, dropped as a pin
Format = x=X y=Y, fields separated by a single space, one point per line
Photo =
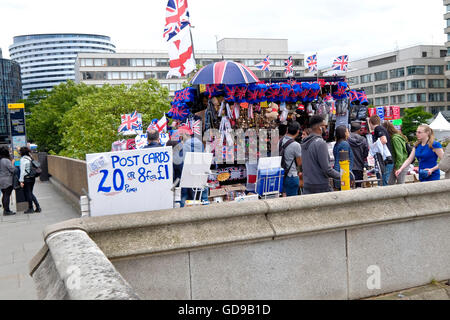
x=17 y=143
x=130 y=181
x=18 y=132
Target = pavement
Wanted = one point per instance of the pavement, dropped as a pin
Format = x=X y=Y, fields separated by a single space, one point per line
x=21 y=237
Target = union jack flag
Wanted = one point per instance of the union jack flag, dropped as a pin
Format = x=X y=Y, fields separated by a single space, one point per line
x=341 y=63
x=312 y=63
x=177 y=18
x=130 y=122
x=289 y=71
x=264 y=65
x=196 y=126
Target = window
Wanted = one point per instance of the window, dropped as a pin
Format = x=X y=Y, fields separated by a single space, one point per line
x=416 y=84
x=113 y=62
x=88 y=75
x=416 y=70
x=124 y=75
x=162 y=62
x=366 y=78
x=173 y=87
x=381 y=101
x=150 y=62
x=436 y=97
x=417 y=97
x=161 y=75
x=424 y=54
x=443 y=53
x=379 y=76
x=368 y=90
x=397 y=73
x=398 y=99
x=353 y=80
x=398 y=86
x=381 y=88
x=149 y=75
x=100 y=62
x=436 y=83
x=124 y=62
x=298 y=63
x=435 y=69
x=382 y=61
x=89 y=62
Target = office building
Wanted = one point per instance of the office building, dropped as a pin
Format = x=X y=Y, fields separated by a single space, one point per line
x=447 y=32
x=10 y=92
x=47 y=60
x=407 y=78
x=129 y=68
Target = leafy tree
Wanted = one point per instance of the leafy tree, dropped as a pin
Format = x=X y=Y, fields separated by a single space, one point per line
x=34 y=98
x=91 y=125
x=412 y=119
x=44 y=122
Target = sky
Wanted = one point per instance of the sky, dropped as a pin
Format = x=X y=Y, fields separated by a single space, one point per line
x=358 y=28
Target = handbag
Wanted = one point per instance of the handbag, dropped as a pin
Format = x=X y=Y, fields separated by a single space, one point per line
x=15 y=181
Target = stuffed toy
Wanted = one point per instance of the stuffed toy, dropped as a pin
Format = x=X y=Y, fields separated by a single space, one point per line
x=273 y=114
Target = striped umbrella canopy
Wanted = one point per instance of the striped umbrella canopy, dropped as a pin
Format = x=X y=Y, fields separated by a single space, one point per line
x=224 y=72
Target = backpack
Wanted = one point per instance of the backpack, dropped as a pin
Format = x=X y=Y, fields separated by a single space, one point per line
x=282 y=148
x=36 y=169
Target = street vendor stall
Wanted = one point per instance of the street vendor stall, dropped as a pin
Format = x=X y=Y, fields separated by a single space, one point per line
x=234 y=110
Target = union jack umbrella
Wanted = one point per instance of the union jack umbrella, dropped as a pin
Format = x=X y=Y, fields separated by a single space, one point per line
x=312 y=63
x=130 y=122
x=264 y=65
x=289 y=71
x=224 y=72
x=341 y=63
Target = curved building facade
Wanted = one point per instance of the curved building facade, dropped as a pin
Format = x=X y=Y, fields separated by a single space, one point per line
x=47 y=60
x=10 y=92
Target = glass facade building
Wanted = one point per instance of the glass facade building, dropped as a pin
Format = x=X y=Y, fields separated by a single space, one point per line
x=47 y=60
x=10 y=92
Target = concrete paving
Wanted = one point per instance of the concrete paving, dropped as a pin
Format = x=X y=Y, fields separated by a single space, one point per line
x=433 y=291
x=21 y=238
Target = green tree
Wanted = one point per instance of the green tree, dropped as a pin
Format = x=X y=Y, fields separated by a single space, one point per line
x=412 y=119
x=34 y=98
x=44 y=122
x=91 y=125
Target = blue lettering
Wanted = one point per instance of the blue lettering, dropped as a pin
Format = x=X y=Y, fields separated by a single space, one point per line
x=122 y=180
x=115 y=159
x=101 y=188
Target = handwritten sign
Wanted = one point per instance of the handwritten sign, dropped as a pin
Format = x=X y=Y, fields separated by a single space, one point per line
x=130 y=181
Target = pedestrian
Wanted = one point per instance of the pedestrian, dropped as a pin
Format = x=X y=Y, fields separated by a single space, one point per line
x=291 y=153
x=27 y=181
x=316 y=160
x=379 y=132
x=399 y=153
x=360 y=149
x=444 y=165
x=342 y=144
x=7 y=171
x=427 y=151
x=153 y=139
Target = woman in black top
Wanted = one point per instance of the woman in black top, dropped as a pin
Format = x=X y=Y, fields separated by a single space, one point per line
x=7 y=171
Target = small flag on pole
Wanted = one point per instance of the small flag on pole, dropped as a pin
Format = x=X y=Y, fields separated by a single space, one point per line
x=130 y=122
x=312 y=63
x=264 y=65
x=289 y=71
x=341 y=63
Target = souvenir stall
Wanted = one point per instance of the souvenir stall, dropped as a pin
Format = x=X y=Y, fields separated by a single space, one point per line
x=246 y=102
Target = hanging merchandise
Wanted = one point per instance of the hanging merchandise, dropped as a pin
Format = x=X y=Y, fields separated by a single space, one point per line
x=285 y=93
x=380 y=113
x=240 y=93
x=179 y=111
x=140 y=141
x=362 y=98
x=252 y=94
x=186 y=95
x=305 y=91
x=341 y=91
x=229 y=93
x=396 y=112
x=313 y=92
x=372 y=111
x=120 y=145
x=342 y=106
x=236 y=111
x=262 y=90
x=388 y=113
x=131 y=144
x=214 y=90
x=272 y=93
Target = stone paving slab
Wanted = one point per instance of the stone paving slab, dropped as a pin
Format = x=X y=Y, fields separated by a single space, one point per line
x=21 y=237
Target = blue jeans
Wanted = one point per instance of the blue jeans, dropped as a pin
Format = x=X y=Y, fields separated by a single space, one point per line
x=387 y=174
x=291 y=185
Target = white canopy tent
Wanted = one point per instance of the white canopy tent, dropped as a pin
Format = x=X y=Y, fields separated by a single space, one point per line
x=441 y=128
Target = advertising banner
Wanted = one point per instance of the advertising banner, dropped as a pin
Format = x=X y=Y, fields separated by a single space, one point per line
x=130 y=181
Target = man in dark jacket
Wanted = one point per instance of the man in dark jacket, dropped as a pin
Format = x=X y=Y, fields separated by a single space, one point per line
x=360 y=149
x=316 y=160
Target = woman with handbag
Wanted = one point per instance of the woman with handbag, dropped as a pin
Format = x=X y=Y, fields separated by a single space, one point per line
x=27 y=181
x=427 y=151
x=7 y=171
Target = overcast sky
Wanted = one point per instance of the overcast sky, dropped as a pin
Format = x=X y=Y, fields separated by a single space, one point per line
x=359 y=28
